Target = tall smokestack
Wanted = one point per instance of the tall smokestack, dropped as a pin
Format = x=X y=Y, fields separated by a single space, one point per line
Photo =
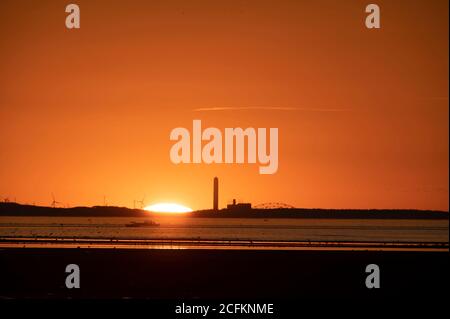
x=216 y=194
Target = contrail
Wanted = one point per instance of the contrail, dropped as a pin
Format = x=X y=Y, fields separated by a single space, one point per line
x=269 y=108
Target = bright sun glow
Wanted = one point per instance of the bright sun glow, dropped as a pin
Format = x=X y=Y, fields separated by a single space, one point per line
x=168 y=208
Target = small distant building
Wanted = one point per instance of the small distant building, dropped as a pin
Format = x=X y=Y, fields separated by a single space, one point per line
x=239 y=206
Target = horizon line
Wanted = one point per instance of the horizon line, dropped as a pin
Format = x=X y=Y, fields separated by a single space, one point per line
x=268 y=108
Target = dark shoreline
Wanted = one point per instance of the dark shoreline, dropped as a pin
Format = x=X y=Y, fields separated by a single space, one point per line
x=211 y=274
x=15 y=209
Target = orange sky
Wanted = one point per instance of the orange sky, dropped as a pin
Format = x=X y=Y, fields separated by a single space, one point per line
x=87 y=113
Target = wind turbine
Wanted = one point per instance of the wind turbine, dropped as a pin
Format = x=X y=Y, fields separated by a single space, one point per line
x=54 y=202
x=141 y=202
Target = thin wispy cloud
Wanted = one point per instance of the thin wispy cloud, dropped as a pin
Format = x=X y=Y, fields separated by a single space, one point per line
x=268 y=108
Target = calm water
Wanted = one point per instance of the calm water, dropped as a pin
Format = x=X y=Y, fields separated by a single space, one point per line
x=179 y=227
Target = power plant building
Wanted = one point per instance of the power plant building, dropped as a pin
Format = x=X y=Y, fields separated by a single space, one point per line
x=230 y=207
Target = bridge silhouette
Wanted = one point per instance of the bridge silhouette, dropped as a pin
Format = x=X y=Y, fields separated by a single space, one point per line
x=273 y=205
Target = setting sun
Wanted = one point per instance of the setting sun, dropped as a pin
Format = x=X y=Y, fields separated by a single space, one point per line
x=168 y=208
